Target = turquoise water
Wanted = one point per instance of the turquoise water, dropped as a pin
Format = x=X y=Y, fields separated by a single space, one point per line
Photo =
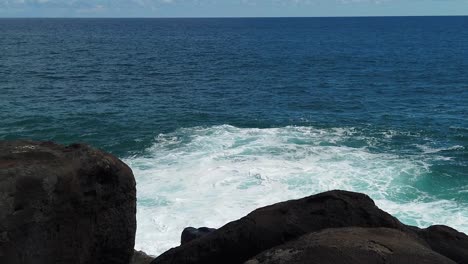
x=217 y=117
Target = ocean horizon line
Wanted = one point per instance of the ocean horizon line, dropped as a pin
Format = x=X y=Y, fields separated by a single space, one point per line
x=233 y=17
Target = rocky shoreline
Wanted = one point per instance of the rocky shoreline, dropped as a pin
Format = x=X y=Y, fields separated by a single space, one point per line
x=76 y=204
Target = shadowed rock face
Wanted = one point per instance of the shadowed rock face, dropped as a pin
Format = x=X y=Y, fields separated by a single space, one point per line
x=191 y=233
x=447 y=241
x=273 y=225
x=140 y=257
x=59 y=204
x=352 y=245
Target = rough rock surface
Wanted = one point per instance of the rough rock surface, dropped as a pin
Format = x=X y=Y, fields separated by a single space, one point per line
x=274 y=225
x=447 y=241
x=60 y=204
x=353 y=245
x=191 y=233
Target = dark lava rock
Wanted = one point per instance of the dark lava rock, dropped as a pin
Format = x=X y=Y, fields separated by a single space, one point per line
x=140 y=257
x=191 y=233
x=447 y=241
x=59 y=204
x=353 y=245
x=274 y=225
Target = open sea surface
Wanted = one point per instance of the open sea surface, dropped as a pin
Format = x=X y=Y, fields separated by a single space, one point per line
x=217 y=117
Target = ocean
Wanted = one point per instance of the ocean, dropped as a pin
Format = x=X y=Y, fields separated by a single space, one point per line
x=217 y=117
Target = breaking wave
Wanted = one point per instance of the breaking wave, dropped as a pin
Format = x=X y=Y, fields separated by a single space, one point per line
x=208 y=176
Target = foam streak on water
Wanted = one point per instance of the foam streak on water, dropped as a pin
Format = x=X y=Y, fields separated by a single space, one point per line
x=210 y=176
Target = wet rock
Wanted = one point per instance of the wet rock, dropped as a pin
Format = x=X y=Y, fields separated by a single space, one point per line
x=60 y=204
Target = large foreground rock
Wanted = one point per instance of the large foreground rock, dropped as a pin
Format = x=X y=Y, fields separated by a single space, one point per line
x=353 y=245
x=333 y=227
x=274 y=225
x=59 y=204
x=447 y=241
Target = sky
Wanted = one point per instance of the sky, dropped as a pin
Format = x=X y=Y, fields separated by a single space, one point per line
x=229 y=8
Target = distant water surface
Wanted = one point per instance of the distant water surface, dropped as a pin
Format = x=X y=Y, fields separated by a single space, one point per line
x=219 y=116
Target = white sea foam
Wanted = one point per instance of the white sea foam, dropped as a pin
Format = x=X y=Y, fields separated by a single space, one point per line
x=210 y=176
x=429 y=150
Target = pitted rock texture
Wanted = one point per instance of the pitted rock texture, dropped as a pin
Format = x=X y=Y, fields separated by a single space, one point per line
x=64 y=204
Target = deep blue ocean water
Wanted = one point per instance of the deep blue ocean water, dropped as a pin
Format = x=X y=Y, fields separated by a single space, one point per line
x=219 y=116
